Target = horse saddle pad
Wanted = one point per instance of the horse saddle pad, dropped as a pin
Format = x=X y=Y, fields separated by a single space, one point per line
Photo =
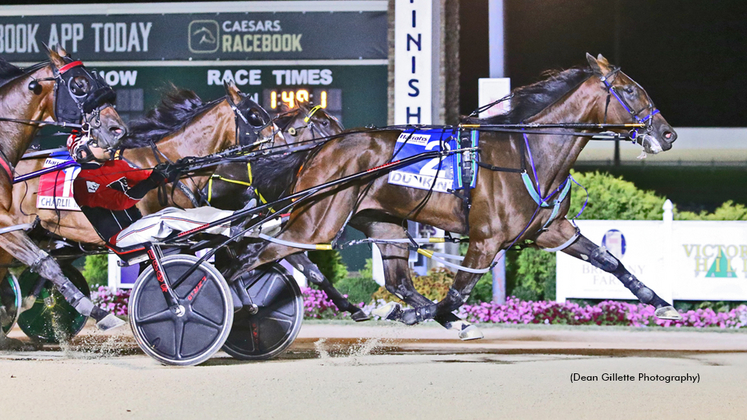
x=441 y=174
x=56 y=188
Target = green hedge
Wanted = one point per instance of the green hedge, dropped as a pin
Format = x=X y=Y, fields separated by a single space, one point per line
x=96 y=271
x=330 y=264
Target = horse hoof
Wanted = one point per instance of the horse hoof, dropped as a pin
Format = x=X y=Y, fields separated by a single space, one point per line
x=667 y=312
x=388 y=311
x=109 y=322
x=470 y=333
x=466 y=330
x=409 y=317
x=27 y=302
x=359 y=316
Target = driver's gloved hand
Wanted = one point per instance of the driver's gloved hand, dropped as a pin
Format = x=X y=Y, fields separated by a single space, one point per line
x=168 y=171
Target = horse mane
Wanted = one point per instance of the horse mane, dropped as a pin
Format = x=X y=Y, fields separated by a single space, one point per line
x=275 y=174
x=529 y=100
x=177 y=109
x=9 y=72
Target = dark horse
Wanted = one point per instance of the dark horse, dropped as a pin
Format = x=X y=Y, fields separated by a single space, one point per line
x=234 y=184
x=64 y=91
x=503 y=211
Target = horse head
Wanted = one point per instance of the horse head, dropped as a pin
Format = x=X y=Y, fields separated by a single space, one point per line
x=307 y=122
x=82 y=97
x=626 y=102
x=254 y=124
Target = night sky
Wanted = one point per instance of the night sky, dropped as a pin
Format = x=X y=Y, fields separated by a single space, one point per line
x=688 y=55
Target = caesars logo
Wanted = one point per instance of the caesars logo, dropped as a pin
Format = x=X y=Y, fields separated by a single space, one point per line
x=716 y=260
x=203 y=36
x=208 y=36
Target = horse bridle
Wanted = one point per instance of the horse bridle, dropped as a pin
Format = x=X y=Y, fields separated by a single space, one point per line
x=612 y=91
x=72 y=103
x=308 y=123
x=249 y=127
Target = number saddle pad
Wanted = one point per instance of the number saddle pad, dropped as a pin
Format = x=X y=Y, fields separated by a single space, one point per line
x=442 y=174
x=56 y=188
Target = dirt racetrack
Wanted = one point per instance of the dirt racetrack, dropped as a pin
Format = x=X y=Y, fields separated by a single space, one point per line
x=379 y=371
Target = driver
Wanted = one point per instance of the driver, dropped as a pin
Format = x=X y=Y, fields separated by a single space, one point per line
x=108 y=191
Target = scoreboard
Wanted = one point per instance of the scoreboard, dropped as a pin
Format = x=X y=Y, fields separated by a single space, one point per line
x=139 y=88
x=333 y=54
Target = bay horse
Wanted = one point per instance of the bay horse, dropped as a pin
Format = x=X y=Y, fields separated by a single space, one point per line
x=503 y=210
x=60 y=90
x=182 y=125
x=300 y=125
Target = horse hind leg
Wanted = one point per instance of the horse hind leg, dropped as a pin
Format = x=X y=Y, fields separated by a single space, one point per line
x=302 y=262
x=399 y=282
x=599 y=257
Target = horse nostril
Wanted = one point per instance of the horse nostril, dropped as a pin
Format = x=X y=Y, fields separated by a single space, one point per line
x=670 y=136
x=117 y=131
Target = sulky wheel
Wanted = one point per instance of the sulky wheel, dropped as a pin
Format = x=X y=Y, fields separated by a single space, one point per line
x=51 y=319
x=10 y=302
x=192 y=333
x=277 y=320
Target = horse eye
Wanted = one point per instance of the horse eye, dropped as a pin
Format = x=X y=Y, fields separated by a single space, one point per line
x=79 y=87
x=629 y=89
x=324 y=123
x=254 y=119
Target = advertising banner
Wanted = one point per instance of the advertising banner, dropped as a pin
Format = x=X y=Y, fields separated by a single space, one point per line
x=248 y=32
x=679 y=260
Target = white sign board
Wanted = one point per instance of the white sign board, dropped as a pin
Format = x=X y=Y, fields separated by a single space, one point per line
x=413 y=48
x=680 y=260
x=491 y=90
x=709 y=260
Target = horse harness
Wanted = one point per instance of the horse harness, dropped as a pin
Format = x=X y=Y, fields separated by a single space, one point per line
x=562 y=191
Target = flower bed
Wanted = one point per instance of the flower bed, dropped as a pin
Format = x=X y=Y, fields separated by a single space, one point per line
x=111 y=299
x=516 y=311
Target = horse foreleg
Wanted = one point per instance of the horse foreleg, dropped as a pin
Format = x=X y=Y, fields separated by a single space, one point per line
x=302 y=263
x=584 y=249
x=22 y=248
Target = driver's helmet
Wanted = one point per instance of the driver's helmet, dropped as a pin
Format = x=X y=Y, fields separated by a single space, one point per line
x=77 y=146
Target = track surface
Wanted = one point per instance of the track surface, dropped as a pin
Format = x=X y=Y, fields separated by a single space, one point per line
x=380 y=371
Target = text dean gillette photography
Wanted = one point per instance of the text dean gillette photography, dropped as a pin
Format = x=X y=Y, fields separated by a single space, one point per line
x=640 y=377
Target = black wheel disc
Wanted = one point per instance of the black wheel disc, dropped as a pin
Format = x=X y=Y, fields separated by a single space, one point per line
x=51 y=319
x=192 y=333
x=10 y=302
x=277 y=322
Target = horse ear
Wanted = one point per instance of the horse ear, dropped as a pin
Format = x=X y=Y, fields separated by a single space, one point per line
x=594 y=64
x=61 y=51
x=602 y=60
x=232 y=91
x=55 y=58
